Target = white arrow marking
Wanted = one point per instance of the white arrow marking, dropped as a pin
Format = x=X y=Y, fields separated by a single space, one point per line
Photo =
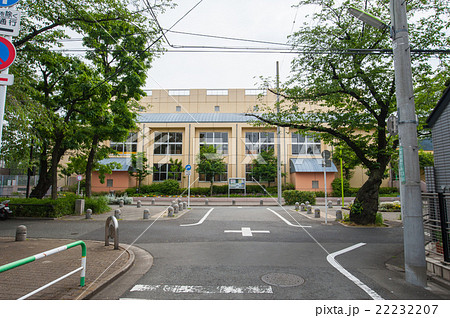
x=201 y=221
x=286 y=221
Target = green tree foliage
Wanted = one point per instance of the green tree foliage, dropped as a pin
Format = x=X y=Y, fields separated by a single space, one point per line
x=264 y=167
x=210 y=164
x=139 y=167
x=354 y=89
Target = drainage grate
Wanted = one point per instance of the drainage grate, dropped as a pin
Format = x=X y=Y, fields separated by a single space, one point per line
x=282 y=279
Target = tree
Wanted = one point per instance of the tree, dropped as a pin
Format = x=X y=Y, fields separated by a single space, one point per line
x=176 y=168
x=139 y=168
x=264 y=167
x=352 y=88
x=210 y=164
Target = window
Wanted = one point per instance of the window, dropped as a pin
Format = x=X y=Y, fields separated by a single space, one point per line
x=126 y=147
x=178 y=108
x=109 y=183
x=315 y=184
x=217 y=178
x=179 y=92
x=217 y=139
x=305 y=144
x=168 y=143
x=165 y=171
x=255 y=92
x=255 y=142
x=217 y=108
x=217 y=92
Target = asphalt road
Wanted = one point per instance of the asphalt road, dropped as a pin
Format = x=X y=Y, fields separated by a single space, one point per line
x=251 y=253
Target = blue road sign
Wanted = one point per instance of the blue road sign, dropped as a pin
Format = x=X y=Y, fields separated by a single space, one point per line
x=7 y=3
x=188 y=167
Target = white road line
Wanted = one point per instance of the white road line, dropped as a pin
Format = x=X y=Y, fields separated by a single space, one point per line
x=201 y=221
x=335 y=264
x=286 y=221
x=184 y=289
x=245 y=231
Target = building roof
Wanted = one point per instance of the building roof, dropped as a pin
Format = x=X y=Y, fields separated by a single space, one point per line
x=193 y=118
x=437 y=111
x=309 y=165
x=125 y=162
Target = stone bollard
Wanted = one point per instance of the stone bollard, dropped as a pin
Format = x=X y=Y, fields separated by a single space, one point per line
x=179 y=200
x=121 y=204
x=317 y=213
x=146 y=214
x=184 y=205
x=233 y=202
x=296 y=206
x=139 y=204
x=261 y=202
x=153 y=201
x=330 y=204
x=206 y=201
x=302 y=207
x=175 y=208
x=307 y=203
x=117 y=214
x=180 y=206
x=338 y=215
x=339 y=202
x=21 y=233
x=308 y=209
x=79 y=206
x=170 y=211
x=88 y=214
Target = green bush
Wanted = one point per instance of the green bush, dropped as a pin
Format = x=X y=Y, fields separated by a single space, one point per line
x=170 y=187
x=97 y=204
x=319 y=194
x=33 y=207
x=199 y=191
x=293 y=196
x=388 y=190
x=337 y=187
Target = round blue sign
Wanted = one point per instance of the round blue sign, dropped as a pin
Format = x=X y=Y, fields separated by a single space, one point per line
x=8 y=3
x=188 y=167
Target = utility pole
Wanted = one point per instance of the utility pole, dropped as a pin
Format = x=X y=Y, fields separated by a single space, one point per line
x=411 y=200
x=278 y=141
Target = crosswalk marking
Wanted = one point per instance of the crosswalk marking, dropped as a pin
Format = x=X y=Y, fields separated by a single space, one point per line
x=183 y=289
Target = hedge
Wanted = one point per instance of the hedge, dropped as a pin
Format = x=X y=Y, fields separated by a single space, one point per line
x=293 y=196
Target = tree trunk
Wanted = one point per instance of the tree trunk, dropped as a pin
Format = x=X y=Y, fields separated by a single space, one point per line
x=365 y=207
x=44 y=182
x=89 y=166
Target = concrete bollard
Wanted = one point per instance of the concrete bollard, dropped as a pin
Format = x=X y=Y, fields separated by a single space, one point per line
x=146 y=214
x=317 y=213
x=88 y=214
x=233 y=202
x=117 y=214
x=302 y=207
x=296 y=206
x=139 y=204
x=261 y=202
x=180 y=207
x=338 y=215
x=184 y=205
x=153 y=201
x=121 y=204
x=79 y=206
x=339 y=202
x=308 y=209
x=175 y=208
x=206 y=201
x=170 y=212
x=307 y=203
x=330 y=204
x=21 y=233
x=179 y=200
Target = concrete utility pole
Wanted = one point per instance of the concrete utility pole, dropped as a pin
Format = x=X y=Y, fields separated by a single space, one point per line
x=278 y=141
x=414 y=241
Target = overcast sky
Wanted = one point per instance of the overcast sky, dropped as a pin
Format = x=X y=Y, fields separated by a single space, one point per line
x=263 y=20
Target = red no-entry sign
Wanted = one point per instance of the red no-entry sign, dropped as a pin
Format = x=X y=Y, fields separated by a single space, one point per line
x=7 y=53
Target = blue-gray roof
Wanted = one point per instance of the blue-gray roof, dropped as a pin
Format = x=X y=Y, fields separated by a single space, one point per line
x=125 y=162
x=193 y=118
x=309 y=165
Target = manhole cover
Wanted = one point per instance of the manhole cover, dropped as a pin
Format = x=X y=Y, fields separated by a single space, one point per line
x=282 y=279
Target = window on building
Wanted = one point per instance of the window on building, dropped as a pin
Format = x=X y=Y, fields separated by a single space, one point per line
x=305 y=144
x=217 y=92
x=178 y=108
x=179 y=92
x=255 y=92
x=168 y=143
x=217 y=139
x=217 y=178
x=315 y=184
x=217 y=108
x=126 y=147
x=109 y=183
x=255 y=142
x=162 y=172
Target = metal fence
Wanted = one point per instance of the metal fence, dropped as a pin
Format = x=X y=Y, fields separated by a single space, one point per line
x=436 y=224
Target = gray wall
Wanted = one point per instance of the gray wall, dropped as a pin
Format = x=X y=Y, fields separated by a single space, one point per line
x=441 y=143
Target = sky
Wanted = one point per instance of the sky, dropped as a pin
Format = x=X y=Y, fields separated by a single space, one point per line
x=262 y=20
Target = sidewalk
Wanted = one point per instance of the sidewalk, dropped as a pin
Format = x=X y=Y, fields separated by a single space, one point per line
x=103 y=264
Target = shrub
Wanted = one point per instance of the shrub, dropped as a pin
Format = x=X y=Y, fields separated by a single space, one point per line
x=112 y=199
x=97 y=204
x=293 y=196
x=169 y=187
x=319 y=194
x=388 y=190
x=337 y=187
x=390 y=206
x=200 y=191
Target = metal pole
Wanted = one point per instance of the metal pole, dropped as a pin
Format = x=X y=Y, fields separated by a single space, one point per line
x=325 y=182
x=278 y=141
x=414 y=241
x=342 y=179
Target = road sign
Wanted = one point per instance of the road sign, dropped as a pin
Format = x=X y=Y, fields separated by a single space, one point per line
x=6 y=79
x=9 y=22
x=188 y=167
x=8 y=3
x=79 y=177
x=326 y=154
x=7 y=53
x=187 y=172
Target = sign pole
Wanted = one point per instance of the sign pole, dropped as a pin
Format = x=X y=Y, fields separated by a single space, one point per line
x=2 y=105
x=325 y=180
x=189 y=191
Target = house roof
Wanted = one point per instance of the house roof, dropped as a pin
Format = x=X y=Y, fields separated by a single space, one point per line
x=193 y=118
x=309 y=165
x=125 y=162
x=437 y=111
